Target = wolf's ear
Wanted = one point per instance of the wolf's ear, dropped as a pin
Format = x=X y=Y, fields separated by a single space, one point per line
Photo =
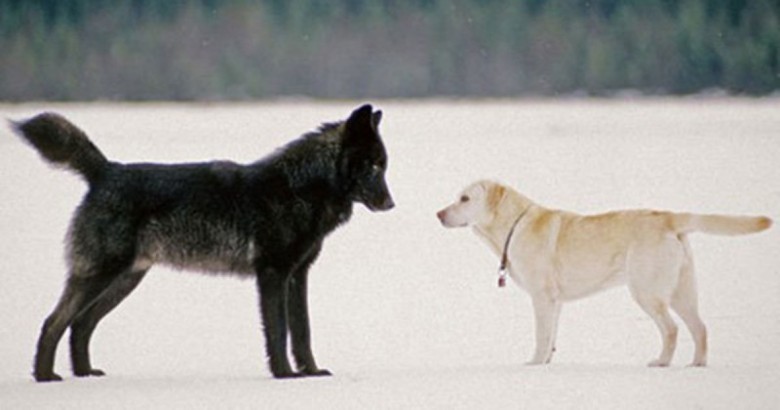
x=360 y=124
x=376 y=118
x=360 y=118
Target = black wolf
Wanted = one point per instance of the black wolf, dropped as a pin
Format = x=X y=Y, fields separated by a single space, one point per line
x=267 y=219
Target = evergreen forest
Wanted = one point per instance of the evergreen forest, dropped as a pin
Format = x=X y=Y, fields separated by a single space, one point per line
x=242 y=49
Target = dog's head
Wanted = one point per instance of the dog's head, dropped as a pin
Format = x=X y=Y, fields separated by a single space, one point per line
x=475 y=205
x=364 y=160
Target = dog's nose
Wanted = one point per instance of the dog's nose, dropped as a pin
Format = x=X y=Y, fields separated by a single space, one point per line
x=441 y=215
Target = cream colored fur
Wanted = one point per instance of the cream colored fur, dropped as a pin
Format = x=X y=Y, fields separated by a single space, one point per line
x=558 y=256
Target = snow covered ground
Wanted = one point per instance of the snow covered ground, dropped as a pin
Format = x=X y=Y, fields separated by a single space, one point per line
x=405 y=313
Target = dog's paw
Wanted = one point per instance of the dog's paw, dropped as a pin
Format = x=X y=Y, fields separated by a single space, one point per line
x=540 y=359
x=658 y=363
x=535 y=362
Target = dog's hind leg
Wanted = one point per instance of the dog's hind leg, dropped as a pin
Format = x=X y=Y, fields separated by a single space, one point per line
x=79 y=292
x=298 y=310
x=685 y=304
x=86 y=321
x=690 y=315
x=653 y=275
x=659 y=312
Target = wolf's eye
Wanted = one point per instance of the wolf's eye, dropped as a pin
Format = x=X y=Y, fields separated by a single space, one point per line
x=465 y=198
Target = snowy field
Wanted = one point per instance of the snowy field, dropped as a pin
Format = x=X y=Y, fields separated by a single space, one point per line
x=405 y=313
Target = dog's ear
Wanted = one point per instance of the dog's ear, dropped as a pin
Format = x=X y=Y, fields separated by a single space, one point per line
x=495 y=193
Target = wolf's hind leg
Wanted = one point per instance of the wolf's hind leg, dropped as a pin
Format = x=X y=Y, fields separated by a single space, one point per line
x=85 y=322
x=78 y=293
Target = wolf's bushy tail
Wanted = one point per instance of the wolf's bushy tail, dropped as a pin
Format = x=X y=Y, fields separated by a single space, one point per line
x=63 y=144
x=720 y=224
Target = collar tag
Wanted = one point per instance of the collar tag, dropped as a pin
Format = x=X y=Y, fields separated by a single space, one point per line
x=501 y=278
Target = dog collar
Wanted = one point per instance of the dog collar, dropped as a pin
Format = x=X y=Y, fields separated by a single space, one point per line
x=502 y=272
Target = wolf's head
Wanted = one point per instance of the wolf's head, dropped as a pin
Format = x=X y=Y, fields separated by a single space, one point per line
x=363 y=160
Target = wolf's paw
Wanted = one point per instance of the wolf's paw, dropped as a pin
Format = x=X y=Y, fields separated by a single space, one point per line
x=48 y=377
x=288 y=375
x=318 y=373
x=89 y=373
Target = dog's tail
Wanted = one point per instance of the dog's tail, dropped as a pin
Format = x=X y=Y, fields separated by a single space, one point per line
x=63 y=144
x=719 y=224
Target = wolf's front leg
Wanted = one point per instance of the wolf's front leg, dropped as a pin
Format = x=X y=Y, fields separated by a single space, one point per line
x=272 y=289
x=300 y=329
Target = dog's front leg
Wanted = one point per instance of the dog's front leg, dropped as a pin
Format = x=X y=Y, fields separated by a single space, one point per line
x=272 y=288
x=546 y=313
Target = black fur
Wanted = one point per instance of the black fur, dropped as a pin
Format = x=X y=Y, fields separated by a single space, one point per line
x=267 y=219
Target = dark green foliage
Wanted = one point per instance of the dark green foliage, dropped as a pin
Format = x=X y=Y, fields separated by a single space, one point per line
x=242 y=49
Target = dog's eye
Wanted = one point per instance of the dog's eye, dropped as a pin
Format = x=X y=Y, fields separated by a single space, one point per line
x=376 y=169
x=465 y=198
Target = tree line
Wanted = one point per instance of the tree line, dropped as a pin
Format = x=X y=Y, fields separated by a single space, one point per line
x=242 y=49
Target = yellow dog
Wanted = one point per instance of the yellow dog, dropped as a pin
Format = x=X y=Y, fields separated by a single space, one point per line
x=558 y=256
